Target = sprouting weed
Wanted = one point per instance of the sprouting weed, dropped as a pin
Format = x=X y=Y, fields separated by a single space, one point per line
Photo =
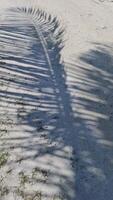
x=23 y=178
x=3 y=158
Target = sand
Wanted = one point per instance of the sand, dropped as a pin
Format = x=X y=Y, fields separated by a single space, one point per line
x=56 y=100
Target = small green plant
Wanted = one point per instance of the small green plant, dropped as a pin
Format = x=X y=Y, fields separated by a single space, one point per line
x=37 y=196
x=34 y=196
x=19 y=192
x=3 y=132
x=3 y=191
x=1 y=84
x=27 y=196
x=23 y=178
x=3 y=158
x=57 y=197
x=40 y=175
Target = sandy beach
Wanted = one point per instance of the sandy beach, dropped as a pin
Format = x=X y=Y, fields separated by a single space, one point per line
x=56 y=100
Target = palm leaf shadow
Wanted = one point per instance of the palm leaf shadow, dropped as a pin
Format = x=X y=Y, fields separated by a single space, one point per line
x=34 y=90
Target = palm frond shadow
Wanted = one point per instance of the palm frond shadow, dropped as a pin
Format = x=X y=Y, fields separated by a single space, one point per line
x=35 y=104
x=92 y=84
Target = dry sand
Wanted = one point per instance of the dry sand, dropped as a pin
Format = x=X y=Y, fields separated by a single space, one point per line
x=56 y=100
